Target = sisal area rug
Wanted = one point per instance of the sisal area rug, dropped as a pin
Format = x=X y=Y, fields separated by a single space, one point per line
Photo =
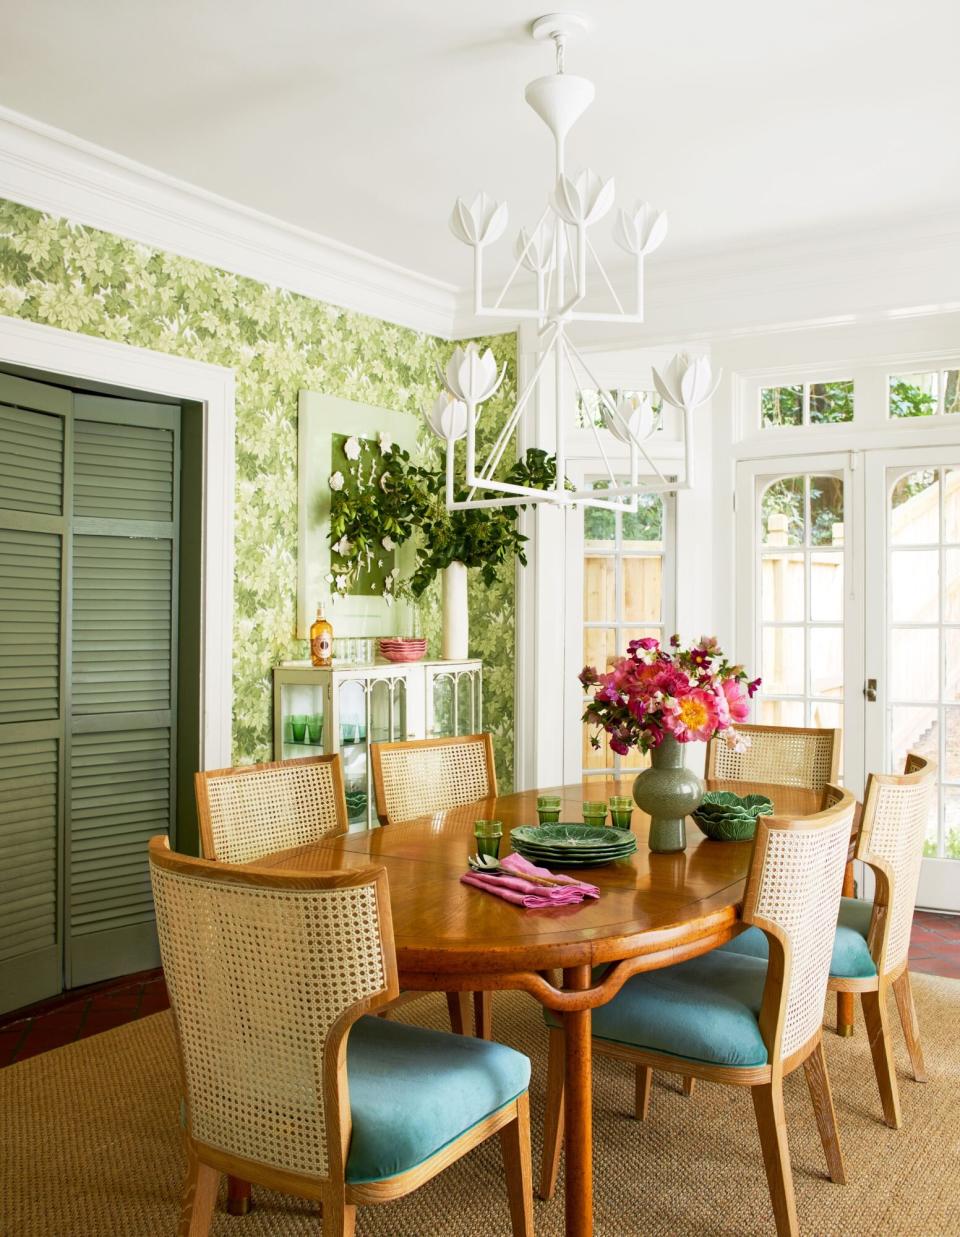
x=89 y=1146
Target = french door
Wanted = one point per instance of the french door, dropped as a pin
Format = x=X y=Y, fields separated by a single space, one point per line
x=912 y=639
x=849 y=609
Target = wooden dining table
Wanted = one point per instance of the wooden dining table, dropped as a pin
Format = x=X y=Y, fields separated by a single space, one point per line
x=654 y=910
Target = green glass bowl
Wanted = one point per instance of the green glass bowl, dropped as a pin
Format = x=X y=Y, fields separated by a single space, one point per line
x=726 y=817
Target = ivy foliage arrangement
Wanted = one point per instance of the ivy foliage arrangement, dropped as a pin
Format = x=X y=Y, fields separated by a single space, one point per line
x=386 y=498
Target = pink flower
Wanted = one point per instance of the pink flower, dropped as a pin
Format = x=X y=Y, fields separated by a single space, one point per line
x=588 y=676
x=737 y=702
x=696 y=716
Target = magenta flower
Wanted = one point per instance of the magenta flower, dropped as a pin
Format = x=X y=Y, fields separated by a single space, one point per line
x=696 y=717
x=752 y=687
x=588 y=676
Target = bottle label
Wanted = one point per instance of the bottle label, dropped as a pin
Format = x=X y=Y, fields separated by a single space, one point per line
x=321 y=646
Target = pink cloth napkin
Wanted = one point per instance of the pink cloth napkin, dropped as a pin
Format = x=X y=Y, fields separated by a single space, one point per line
x=526 y=893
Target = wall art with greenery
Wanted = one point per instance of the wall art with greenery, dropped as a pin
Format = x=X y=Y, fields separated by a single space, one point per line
x=79 y=279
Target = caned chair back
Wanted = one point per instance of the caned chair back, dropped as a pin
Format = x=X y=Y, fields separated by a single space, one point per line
x=253 y=810
x=429 y=775
x=266 y=971
x=893 y=827
x=793 y=893
x=778 y=755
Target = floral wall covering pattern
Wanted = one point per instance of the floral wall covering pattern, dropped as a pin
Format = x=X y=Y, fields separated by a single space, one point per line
x=80 y=279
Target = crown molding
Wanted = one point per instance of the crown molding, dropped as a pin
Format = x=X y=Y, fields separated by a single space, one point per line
x=58 y=173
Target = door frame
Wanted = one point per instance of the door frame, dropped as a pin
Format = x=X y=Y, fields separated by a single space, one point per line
x=52 y=350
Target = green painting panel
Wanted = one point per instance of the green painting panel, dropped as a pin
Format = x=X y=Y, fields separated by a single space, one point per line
x=369 y=583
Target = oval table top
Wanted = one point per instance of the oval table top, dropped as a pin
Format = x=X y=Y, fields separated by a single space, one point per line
x=664 y=906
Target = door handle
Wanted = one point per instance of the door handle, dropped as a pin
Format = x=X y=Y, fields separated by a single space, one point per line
x=870 y=690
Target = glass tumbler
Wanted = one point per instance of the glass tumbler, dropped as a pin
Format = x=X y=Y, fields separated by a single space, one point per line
x=548 y=809
x=315 y=727
x=594 y=811
x=298 y=727
x=487 y=834
x=621 y=811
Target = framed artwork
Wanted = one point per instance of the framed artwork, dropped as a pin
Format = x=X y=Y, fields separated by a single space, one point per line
x=326 y=422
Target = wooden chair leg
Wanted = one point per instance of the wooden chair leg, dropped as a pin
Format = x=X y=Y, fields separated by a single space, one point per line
x=198 y=1199
x=818 y=1080
x=772 y=1128
x=515 y=1147
x=458 y=1006
x=644 y=1086
x=553 y=1118
x=483 y=1014
x=878 y=1030
x=688 y=1084
x=903 y=994
x=239 y=1196
x=339 y=1216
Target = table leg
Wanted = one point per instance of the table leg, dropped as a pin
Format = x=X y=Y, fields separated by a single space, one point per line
x=578 y=1111
x=845 y=1005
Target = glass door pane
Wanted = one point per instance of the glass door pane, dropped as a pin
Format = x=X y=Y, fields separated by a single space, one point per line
x=801 y=553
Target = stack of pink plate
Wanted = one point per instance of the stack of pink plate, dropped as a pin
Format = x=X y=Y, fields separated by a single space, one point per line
x=395 y=648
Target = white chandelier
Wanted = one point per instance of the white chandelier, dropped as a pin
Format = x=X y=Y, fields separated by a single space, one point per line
x=558 y=252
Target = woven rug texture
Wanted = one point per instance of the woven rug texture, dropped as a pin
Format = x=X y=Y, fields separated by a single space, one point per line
x=90 y=1146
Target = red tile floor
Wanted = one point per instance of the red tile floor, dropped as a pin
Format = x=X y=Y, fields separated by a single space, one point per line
x=934 y=949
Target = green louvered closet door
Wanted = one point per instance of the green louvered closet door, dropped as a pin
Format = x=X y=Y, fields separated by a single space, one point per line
x=35 y=432
x=123 y=654
x=89 y=518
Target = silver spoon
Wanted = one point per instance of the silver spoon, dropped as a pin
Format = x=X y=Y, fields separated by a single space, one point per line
x=491 y=866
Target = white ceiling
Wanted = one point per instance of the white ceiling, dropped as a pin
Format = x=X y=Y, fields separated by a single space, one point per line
x=749 y=121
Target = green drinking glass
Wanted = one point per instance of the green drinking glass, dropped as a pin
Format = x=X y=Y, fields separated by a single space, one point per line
x=298 y=727
x=594 y=811
x=487 y=834
x=548 y=809
x=315 y=728
x=621 y=811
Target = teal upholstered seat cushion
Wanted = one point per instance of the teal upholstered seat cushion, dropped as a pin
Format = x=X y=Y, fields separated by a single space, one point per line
x=851 y=957
x=705 y=1010
x=412 y=1091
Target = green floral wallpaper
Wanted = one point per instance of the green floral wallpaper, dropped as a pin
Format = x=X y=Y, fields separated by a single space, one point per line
x=79 y=279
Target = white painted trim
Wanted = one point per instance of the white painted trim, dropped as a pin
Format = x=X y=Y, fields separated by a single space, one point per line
x=81 y=356
x=54 y=171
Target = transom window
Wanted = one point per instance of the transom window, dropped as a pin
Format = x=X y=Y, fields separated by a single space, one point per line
x=807 y=403
x=931 y=394
x=589 y=409
x=626 y=596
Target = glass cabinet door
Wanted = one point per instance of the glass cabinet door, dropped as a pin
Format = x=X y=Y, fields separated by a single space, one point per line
x=370 y=710
x=301 y=720
x=455 y=701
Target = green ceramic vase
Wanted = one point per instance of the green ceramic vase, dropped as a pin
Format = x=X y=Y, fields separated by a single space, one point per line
x=668 y=793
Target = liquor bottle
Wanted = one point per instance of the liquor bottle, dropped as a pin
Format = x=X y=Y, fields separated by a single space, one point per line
x=321 y=640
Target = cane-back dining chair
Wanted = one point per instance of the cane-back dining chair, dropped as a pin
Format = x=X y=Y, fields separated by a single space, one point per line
x=429 y=775
x=735 y=1019
x=799 y=756
x=873 y=938
x=285 y=1082
x=253 y=810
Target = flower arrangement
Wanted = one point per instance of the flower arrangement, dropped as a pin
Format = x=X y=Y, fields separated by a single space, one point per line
x=386 y=498
x=689 y=692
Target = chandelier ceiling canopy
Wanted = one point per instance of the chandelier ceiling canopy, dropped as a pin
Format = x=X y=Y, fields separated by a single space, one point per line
x=560 y=255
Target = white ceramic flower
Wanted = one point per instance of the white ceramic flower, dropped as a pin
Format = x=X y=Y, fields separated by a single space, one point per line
x=340 y=583
x=470 y=375
x=480 y=223
x=336 y=481
x=385 y=442
x=584 y=199
x=329 y=577
x=448 y=417
x=641 y=230
x=536 y=252
x=342 y=547
x=351 y=448
x=686 y=384
x=636 y=413
x=388 y=598
x=379 y=562
x=388 y=542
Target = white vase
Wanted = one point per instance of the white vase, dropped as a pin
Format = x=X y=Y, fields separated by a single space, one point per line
x=456 y=622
